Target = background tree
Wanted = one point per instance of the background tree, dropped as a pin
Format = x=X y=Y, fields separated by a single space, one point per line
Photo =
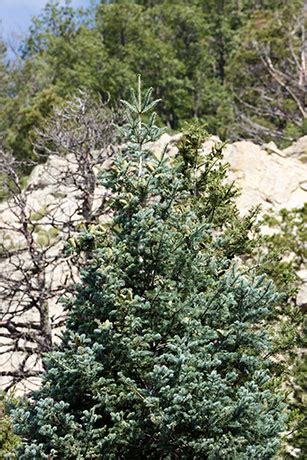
x=45 y=74
x=238 y=65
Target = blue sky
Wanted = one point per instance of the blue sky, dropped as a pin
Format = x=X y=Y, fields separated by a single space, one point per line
x=15 y=16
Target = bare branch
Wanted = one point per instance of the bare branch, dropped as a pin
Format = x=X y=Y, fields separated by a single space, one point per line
x=35 y=226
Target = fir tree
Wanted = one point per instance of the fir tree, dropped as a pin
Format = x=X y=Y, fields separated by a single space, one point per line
x=164 y=356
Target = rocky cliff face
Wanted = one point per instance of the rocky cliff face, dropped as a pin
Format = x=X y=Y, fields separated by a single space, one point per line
x=55 y=194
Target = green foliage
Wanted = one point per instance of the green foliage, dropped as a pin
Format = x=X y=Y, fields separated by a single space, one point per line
x=8 y=440
x=164 y=353
x=290 y=235
x=49 y=71
x=203 y=57
x=299 y=435
x=285 y=255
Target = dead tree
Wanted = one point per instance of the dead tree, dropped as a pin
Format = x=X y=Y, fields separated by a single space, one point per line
x=36 y=222
x=280 y=80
